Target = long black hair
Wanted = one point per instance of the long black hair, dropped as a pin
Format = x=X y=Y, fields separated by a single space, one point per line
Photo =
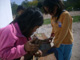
x=30 y=18
x=51 y=4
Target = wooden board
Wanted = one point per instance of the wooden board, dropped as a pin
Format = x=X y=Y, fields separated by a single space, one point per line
x=41 y=36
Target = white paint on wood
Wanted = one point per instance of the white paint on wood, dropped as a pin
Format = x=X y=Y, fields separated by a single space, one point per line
x=5 y=13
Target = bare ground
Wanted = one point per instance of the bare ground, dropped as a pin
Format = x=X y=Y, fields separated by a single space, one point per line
x=72 y=13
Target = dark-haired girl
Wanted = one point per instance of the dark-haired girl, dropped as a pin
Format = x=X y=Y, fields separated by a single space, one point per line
x=61 y=22
x=15 y=40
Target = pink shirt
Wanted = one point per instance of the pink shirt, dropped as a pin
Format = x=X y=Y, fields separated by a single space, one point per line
x=11 y=42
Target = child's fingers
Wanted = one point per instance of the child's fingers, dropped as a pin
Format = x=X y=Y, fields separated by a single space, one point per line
x=32 y=40
x=34 y=50
x=34 y=45
x=39 y=53
x=34 y=37
x=31 y=47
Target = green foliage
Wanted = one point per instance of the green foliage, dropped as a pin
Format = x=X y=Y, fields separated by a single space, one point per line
x=75 y=4
x=33 y=3
x=14 y=7
x=28 y=4
x=76 y=18
x=69 y=8
x=39 y=0
x=47 y=21
x=69 y=5
x=25 y=4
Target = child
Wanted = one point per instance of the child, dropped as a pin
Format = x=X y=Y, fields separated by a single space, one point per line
x=15 y=40
x=61 y=22
x=20 y=10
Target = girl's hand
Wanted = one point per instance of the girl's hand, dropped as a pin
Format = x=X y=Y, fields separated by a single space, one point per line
x=52 y=35
x=48 y=40
x=38 y=53
x=31 y=47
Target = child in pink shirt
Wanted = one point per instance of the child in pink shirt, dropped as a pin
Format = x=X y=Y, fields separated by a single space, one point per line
x=15 y=40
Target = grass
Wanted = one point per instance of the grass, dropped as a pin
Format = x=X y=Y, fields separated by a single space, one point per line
x=75 y=19
x=47 y=21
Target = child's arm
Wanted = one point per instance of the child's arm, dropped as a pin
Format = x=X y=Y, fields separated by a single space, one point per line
x=64 y=30
x=52 y=33
x=13 y=52
x=9 y=51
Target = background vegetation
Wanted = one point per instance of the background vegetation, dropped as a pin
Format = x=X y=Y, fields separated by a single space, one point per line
x=70 y=5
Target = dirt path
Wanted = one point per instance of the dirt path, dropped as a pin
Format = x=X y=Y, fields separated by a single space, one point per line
x=76 y=47
x=76 y=33
x=72 y=13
